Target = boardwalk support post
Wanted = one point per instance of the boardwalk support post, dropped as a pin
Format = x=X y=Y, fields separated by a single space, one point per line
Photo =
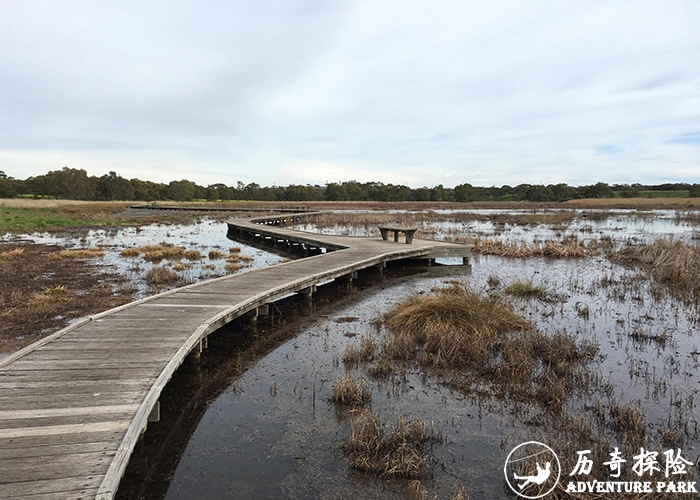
x=154 y=416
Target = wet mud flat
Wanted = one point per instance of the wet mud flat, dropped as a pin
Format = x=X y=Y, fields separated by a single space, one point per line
x=50 y=279
x=269 y=429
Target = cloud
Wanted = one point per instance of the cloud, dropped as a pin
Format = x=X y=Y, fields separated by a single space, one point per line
x=448 y=92
x=692 y=138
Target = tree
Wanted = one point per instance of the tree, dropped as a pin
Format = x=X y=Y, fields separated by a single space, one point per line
x=629 y=192
x=8 y=186
x=115 y=187
x=694 y=191
x=537 y=193
x=562 y=192
x=68 y=183
x=183 y=190
x=598 y=190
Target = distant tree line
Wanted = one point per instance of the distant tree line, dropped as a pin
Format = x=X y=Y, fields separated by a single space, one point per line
x=76 y=184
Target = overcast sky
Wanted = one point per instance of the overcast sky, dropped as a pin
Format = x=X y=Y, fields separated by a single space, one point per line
x=420 y=93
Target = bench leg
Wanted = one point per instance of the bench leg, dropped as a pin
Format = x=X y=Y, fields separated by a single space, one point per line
x=385 y=234
x=409 y=238
x=396 y=235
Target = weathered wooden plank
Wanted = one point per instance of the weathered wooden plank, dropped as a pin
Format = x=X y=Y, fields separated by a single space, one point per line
x=49 y=487
x=83 y=494
x=22 y=423
x=55 y=465
x=64 y=429
x=132 y=355
x=146 y=374
x=103 y=389
x=76 y=364
x=70 y=385
x=64 y=412
x=24 y=442
x=57 y=450
x=49 y=401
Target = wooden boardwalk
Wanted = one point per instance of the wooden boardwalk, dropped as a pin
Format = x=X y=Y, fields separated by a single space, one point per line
x=73 y=405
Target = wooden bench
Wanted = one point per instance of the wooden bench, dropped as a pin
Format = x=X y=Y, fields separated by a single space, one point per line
x=408 y=231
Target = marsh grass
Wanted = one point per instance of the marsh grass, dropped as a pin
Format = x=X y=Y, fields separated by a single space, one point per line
x=162 y=251
x=672 y=263
x=38 y=296
x=480 y=345
x=216 y=254
x=193 y=255
x=232 y=267
x=130 y=253
x=398 y=451
x=526 y=290
x=350 y=392
x=364 y=353
x=78 y=253
x=159 y=276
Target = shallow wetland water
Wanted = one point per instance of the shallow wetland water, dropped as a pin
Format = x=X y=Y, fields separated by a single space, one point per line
x=258 y=422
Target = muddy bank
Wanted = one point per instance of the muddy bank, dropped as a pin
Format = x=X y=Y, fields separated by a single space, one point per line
x=49 y=279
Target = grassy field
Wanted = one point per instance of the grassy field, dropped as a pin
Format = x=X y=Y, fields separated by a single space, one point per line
x=15 y=218
x=29 y=214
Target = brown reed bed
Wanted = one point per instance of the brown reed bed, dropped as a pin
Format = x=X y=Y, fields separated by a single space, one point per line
x=671 y=263
x=481 y=346
x=398 y=451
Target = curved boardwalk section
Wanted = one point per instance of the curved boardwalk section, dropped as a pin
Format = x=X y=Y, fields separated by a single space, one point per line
x=73 y=405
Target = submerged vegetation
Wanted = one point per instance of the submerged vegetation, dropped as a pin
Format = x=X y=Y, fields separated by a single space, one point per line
x=398 y=451
x=349 y=392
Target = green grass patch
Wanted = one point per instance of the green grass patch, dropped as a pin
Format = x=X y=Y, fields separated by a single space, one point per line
x=12 y=219
x=525 y=289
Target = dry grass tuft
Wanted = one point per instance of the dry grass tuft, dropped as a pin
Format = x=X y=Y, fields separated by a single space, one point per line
x=484 y=346
x=232 y=267
x=181 y=266
x=393 y=452
x=130 y=252
x=50 y=296
x=629 y=424
x=216 y=254
x=161 y=251
x=354 y=355
x=12 y=254
x=193 y=255
x=346 y=319
x=79 y=253
x=159 y=276
x=350 y=392
x=237 y=257
x=234 y=250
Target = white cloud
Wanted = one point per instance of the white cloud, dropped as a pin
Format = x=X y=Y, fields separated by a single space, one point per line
x=307 y=91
